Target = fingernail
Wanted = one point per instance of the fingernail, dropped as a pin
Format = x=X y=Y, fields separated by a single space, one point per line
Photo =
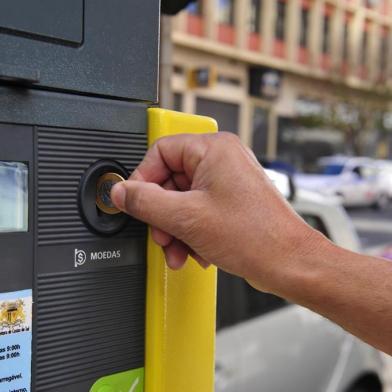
x=118 y=194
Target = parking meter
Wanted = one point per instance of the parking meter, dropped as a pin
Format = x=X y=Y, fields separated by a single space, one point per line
x=86 y=301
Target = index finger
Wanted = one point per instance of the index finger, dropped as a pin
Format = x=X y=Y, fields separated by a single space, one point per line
x=169 y=155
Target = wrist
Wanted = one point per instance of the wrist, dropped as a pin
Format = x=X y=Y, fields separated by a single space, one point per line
x=297 y=265
x=308 y=270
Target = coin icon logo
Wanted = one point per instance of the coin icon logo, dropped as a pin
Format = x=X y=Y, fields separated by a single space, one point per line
x=104 y=186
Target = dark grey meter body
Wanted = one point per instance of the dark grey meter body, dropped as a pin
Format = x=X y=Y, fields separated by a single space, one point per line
x=76 y=79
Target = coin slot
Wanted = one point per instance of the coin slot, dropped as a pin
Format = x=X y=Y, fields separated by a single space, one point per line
x=95 y=206
x=99 y=212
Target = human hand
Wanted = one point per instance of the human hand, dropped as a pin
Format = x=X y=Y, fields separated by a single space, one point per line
x=207 y=196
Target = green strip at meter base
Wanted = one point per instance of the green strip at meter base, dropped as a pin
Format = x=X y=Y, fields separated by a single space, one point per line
x=129 y=381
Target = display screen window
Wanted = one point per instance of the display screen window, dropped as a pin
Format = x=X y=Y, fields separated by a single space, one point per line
x=13 y=197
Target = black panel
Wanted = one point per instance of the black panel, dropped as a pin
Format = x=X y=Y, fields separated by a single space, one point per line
x=118 y=57
x=63 y=156
x=89 y=324
x=58 y=19
x=89 y=316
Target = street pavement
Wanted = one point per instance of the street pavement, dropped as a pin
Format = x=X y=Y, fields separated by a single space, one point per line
x=374 y=227
x=375 y=232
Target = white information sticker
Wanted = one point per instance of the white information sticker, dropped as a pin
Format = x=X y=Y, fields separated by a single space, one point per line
x=15 y=341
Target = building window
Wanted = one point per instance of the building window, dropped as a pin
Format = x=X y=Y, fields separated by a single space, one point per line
x=384 y=49
x=226 y=114
x=364 y=46
x=255 y=16
x=177 y=102
x=226 y=30
x=280 y=20
x=195 y=18
x=304 y=28
x=260 y=125
x=345 y=42
x=226 y=12
x=326 y=32
x=254 y=25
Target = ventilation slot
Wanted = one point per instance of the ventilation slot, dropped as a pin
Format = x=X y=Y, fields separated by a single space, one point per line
x=88 y=324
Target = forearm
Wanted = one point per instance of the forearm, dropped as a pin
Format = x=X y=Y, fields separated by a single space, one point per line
x=353 y=290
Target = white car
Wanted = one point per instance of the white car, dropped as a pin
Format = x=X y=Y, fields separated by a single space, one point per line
x=355 y=181
x=385 y=173
x=265 y=344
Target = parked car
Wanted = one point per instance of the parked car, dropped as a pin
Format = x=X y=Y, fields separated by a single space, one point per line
x=265 y=344
x=385 y=172
x=355 y=181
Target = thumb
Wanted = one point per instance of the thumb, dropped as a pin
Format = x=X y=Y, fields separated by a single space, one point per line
x=150 y=203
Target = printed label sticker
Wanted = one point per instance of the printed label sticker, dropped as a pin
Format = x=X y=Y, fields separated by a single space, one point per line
x=15 y=341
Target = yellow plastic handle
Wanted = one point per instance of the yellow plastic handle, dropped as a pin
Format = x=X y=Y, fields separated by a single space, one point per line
x=181 y=305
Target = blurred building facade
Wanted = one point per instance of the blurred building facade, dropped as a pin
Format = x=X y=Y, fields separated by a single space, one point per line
x=259 y=65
